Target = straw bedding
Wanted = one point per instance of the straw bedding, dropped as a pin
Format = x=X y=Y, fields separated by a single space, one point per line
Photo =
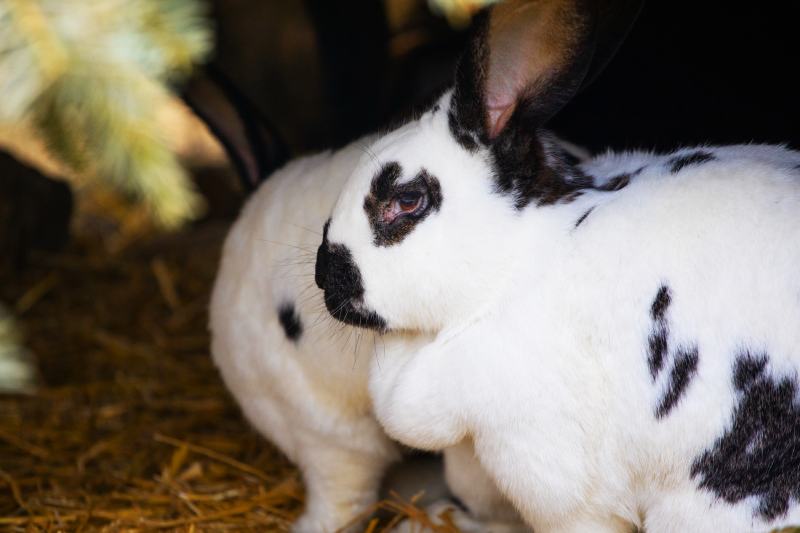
x=131 y=428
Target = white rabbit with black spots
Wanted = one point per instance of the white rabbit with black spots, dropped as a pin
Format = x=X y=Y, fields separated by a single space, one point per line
x=300 y=377
x=618 y=339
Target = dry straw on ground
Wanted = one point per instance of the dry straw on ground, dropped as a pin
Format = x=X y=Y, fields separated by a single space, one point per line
x=132 y=429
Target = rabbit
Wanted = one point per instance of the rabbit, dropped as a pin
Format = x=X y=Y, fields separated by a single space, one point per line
x=300 y=379
x=618 y=339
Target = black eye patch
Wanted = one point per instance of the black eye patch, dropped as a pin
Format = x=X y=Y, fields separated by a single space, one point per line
x=385 y=190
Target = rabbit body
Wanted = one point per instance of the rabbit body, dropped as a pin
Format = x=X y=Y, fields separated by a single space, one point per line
x=306 y=392
x=618 y=340
x=301 y=378
x=627 y=357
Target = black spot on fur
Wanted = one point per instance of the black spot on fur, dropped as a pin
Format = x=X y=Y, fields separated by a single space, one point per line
x=616 y=183
x=383 y=191
x=658 y=341
x=290 y=321
x=523 y=170
x=759 y=454
x=464 y=137
x=747 y=370
x=678 y=163
x=436 y=108
x=660 y=304
x=583 y=217
x=619 y=181
x=384 y=180
x=683 y=370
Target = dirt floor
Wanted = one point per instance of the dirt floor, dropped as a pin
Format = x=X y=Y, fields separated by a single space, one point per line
x=131 y=428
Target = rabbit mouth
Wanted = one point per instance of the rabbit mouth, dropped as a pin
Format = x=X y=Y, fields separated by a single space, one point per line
x=352 y=311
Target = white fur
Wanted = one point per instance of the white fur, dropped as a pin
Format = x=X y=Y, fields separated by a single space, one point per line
x=540 y=355
x=310 y=398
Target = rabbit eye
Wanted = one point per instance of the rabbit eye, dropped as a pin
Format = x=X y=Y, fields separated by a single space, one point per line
x=408 y=202
x=404 y=204
x=394 y=209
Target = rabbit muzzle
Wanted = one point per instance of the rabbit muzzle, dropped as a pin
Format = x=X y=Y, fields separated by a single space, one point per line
x=338 y=276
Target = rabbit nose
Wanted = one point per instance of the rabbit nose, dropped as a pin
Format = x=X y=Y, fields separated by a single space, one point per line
x=336 y=273
x=323 y=264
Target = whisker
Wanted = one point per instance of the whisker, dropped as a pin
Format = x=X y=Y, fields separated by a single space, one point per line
x=307 y=229
x=374 y=158
x=295 y=246
x=375 y=350
x=359 y=334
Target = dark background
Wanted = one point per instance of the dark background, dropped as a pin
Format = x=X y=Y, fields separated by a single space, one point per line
x=690 y=72
x=696 y=72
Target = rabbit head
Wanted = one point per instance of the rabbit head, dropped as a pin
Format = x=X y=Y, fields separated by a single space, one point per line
x=429 y=217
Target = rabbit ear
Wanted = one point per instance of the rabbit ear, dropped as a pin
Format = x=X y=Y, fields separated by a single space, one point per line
x=254 y=147
x=527 y=58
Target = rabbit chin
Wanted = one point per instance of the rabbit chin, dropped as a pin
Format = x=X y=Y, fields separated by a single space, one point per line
x=352 y=311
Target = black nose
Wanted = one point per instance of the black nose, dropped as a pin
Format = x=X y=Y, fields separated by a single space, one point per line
x=323 y=264
x=323 y=258
x=338 y=276
x=336 y=273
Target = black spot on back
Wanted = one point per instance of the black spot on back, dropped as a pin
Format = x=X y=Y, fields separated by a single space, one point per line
x=747 y=370
x=616 y=183
x=619 y=181
x=678 y=163
x=759 y=454
x=583 y=217
x=684 y=369
x=290 y=321
x=658 y=340
x=660 y=304
x=382 y=191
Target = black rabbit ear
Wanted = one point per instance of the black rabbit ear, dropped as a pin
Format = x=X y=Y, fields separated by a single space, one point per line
x=527 y=58
x=253 y=145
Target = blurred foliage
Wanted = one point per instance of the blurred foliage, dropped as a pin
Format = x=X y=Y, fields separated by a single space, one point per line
x=90 y=77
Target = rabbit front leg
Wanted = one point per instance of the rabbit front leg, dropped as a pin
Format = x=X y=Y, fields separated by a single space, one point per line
x=340 y=484
x=415 y=395
x=537 y=455
x=341 y=463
